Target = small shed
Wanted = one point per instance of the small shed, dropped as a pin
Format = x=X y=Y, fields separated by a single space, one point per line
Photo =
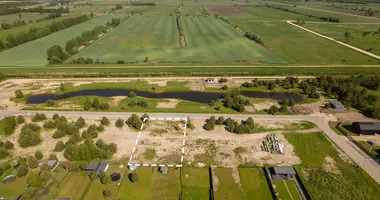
x=366 y=128
x=336 y=105
x=283 y=173
x=209 y=80
x=164 y=170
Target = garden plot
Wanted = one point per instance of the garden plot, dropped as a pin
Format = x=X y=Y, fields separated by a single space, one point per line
x=161 y=142
x=220 y=147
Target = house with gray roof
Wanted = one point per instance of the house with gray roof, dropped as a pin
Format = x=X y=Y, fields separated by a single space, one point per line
x=283 y=172
x=97 y=167
x=336 y=105
x=164 y=170
x=366 y=128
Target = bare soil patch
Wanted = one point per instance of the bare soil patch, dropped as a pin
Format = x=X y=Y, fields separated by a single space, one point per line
x=182 y=40
x=329 y=165
x=171 y=103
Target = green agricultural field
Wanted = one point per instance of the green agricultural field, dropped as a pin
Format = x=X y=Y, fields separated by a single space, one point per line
x=262 y=12
x=254 y=184
x=195 y=183
x=24 y=16
x=226 y=186
x=75 y=185
x=161 y=10
x=33 y=53
x=371 y=41
x=286 y=189
x=156 y=37
x=349 y=183
x=300 y=47
x=166 y=186
x=142 y=190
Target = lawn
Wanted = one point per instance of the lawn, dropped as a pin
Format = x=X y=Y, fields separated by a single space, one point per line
x=254 y=184
x=75 y=185
x=140 y=190
x=33 y=53
x=370 y=41
x=347 y=128
x=14 y=189
x=350 y=183
x=166 y=186
x=157 y=37
x=286 y=189
x=375 y=150
x=298 y=46
x=226 y=186
x=195 y=183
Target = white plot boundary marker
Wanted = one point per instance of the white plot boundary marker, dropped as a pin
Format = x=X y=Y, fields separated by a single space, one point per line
x=160 y=165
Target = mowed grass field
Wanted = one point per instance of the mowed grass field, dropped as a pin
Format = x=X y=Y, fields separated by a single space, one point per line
x=370 y=41
x=225 y=186
x=140 y=190
x=286 y=189
x=156 y=37
x=300 y=47
x=254 y=184
x=33 y=53
x=166 y=186
x=14 y=189
x=195 y=183
x=346 y=182
x=74 y=185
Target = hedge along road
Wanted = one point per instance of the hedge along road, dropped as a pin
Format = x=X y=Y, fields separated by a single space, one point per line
x=208 y=40
x=367 y=164
x=33 y=53
x=339 y=42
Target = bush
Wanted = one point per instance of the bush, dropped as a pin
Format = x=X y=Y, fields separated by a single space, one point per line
x=3 y=153
x=119 y=123
x=85 y=134
x=106 y=193
x=20 y=119
x=100 y=128
x=93 y=176
x=38 y=117
x=273 y=110
x=29 y=135
x=112 y=147
x=134 y=121
x=254 y=37
x=58 y=134
x=8 y=125
x=104 y=106
x=59 y=146
x=50 y=102
x=80 y=123
x=74 y=166
x=133 y=177
x=21 y=171
x=52 y=157
x=19 y=94
x=131 y=94
x=32 y=162
x=8 y=145
x=142 y=104
x=45 y=176
x=106 y=180
x=33 y=180
x=38 y=155
x=105 y=121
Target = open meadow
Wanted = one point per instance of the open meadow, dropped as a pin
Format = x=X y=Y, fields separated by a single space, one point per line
x=195 y=183
x=74 y=186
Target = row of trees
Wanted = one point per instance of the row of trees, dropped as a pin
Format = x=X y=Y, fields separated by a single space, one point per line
x=247 y=126
x=330 y=19
x=232 y=99
x=181 y=29
x=254 y=37
x=136 y=3
x=36 y=33
x=287 y=83
x=95 y=104
x=56 y=54
x=39 y=9
x=6 y=26
x=89 y=151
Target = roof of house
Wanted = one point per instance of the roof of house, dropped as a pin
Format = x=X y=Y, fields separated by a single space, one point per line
x=102 y=167
x=369 y=126
x=92 y=166
x=52 y=163
x=336 y=103
x=284 y=170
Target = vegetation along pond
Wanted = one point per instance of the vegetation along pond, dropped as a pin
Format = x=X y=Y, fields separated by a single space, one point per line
x=196 y=96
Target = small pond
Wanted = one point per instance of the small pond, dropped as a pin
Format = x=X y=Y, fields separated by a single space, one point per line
x=196 y=96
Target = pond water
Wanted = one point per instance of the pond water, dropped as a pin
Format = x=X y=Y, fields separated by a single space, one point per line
x=196 y=96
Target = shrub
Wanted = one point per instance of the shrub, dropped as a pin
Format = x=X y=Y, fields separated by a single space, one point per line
x=34 y=180
x=32 y=162
x=20 y=119
x=106 y=193
x=93 y=176
x=3 y=153
x=29 y=135
x=45 y=176
x=132 y=104
x=142 y=104
x=100 y=128
x=50 y=102
x=101 y=144
x=112 y=147
x=145 y=116
x=80 y=123
x=134 y=121
x=38 y=117
x=104 y=106
x=59 y=146
x=58 y=134
x=8 y=145
x=38 y=155
x=105 y=121
x=21 y=171
x=8 y=125
x=85 y=134
x=19 y=94
x=131 y=94
x=120 y=62
x=273 y=110
x=133 y=177
x=74 y=166
x=45 y=167
x=119 y=123
x=106 y=180
x=52 y=157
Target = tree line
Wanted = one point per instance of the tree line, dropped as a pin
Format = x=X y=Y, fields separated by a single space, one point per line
x=246 y=126
x=254 y=37
x=56 y=55
x=40 y=9
x=134 y=3
x=330 y=19
x=20 y=22
x=36 y=33
x=181 y=30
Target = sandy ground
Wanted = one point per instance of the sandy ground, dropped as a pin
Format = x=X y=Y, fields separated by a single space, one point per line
x=171 y=103
x=351 y=116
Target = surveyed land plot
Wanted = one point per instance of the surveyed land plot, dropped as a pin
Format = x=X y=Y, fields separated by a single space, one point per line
x=157 y=37
x=160 y=142
x=33 y=53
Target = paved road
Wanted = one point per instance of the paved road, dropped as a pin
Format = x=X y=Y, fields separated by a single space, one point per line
x=369 y=165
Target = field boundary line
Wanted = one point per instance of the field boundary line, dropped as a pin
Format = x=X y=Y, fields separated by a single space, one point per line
x=157 y=164
x=287 y=189
x=336 y=41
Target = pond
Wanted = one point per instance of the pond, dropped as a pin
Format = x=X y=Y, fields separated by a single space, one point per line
x=195 y=96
